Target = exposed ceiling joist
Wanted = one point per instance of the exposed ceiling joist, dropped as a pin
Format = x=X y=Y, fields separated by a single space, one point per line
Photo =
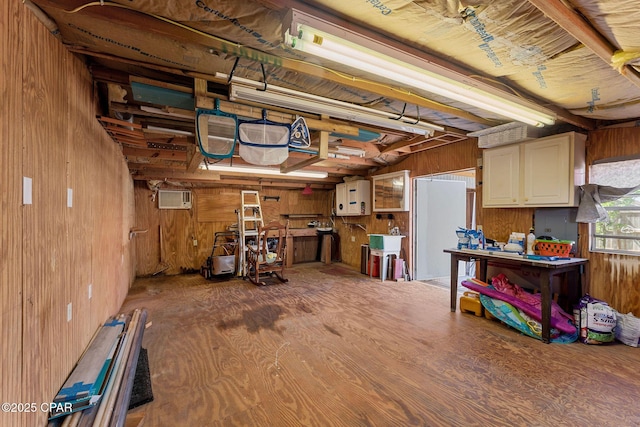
x=195 y=57
x=578 y=27
x=201 y=176
x=323 y=151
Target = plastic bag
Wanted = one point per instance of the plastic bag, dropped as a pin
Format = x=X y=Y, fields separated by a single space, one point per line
x=470 y=239
x=628 y=329
x=595 y=320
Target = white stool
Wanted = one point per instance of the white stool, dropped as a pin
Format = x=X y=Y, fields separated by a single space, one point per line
x=383 y=261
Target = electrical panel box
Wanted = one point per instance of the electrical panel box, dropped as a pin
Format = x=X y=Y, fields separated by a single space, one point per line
x=353 y=198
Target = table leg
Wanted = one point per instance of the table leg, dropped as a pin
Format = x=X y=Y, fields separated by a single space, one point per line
x=326 y=248
x=289 y=252
x=454 y=281
x=545 y=291
x=482 y=274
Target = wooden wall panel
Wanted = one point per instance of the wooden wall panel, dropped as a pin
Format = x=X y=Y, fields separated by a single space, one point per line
x=45 y=250
x=11 y=120
x=51 y=252
x=217 y=206
x=613 y=278
x=172 y=251
x=80 y=176
x=178 y=234
x=147 y=242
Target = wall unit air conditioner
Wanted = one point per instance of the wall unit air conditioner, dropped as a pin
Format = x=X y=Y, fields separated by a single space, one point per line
x=508 y=133
x=170 y=199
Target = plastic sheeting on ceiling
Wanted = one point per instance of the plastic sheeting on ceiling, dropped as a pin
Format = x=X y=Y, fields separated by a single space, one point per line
x=509 y=41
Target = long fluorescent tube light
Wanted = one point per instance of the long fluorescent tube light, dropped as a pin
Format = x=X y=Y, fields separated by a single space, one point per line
x=350 y=151
x=300 y=101
x=167 y=130
x=318 y=37
x=264 y=171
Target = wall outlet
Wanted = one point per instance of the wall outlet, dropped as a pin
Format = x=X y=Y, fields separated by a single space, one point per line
x=90 y=291
x=69 y=312
x=353 y=238
x=479 y=228
x=195 y=242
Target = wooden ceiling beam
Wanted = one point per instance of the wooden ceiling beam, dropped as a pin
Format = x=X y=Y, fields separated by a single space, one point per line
x=398 y=146
x=140 y=143
x=155 y=154
x=194 y=158
x=356 y=161
x=429 y=145
x=176 y=175
x=323 y=152
x=137 y=163
x=573 y=23
x=166 y=111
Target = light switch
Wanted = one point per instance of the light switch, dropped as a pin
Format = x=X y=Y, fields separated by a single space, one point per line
x=27 y=190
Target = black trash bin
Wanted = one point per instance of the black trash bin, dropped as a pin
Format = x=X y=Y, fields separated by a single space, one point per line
x=364 y=258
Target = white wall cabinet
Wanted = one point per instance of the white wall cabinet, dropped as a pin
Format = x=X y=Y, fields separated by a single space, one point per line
x=353 y=198
x=501 y=176
x=543 y=172
x=391 y=192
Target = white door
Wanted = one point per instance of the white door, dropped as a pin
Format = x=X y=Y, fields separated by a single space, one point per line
x=440 y=208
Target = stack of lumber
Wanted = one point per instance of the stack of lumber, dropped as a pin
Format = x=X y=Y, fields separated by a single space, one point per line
x=97 y=391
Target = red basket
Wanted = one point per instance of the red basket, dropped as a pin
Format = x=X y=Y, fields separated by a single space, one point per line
x=553 y=248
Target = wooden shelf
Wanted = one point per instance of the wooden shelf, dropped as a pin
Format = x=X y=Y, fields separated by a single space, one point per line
x=303 y=232
x=303 y=215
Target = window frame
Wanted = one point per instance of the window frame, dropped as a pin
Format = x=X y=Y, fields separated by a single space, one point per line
x=611 y=208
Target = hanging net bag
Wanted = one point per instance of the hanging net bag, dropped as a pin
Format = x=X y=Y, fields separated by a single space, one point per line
x=263 y=142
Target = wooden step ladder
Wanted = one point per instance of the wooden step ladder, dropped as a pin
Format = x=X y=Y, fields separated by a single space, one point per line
x=250 y=222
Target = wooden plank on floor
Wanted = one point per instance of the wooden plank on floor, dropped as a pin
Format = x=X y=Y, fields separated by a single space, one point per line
x=135 y=419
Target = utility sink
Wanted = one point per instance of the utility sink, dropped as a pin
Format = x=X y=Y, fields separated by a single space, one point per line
x=385 y=242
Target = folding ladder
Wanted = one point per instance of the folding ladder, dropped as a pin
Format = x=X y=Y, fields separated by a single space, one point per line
x=250 y=222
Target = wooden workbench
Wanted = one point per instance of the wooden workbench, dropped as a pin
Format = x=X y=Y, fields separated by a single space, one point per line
x=306 y=232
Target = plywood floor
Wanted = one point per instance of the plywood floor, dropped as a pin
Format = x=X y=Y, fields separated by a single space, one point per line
x=335 y=348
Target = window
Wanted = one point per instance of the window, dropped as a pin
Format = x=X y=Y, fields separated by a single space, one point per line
x=621 y=234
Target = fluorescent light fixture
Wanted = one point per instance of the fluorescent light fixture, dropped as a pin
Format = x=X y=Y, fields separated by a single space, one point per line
x=300 y=101
x=350 y=151
x=320 y=38
x=167 y=130
x=264 y=171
